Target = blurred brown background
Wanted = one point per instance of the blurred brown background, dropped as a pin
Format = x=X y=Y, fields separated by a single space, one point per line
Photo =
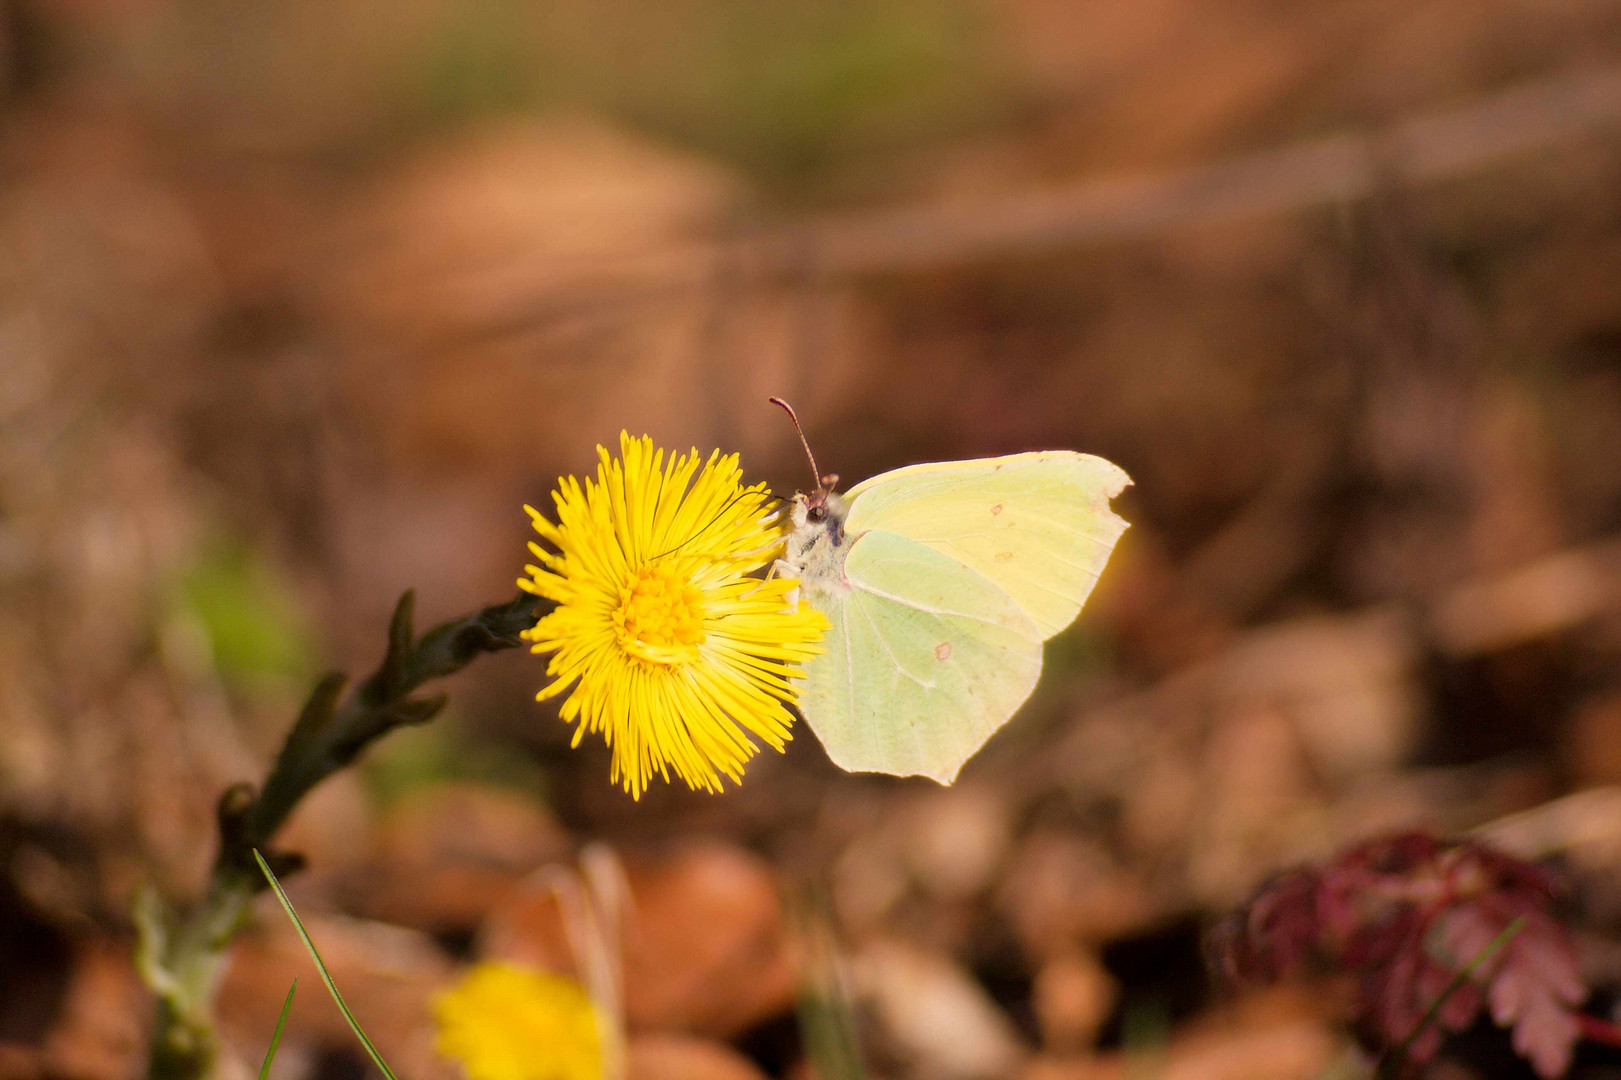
x=300 y=300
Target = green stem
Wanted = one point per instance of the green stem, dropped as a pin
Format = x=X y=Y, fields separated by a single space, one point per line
x=181 y=952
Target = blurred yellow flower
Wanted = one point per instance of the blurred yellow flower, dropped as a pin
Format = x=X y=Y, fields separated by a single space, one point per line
x=504 y=1022
x=674 y=652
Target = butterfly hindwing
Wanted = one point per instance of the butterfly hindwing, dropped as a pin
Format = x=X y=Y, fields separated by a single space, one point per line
x=1037 y=525
x=925 y=659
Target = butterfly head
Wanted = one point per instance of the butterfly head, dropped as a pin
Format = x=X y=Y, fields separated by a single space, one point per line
x=817 y=542
x=821 y=509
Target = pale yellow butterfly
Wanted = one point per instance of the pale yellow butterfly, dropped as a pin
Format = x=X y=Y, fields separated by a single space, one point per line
x=941 y=582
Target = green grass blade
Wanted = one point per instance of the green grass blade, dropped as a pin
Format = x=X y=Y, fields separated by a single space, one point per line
x=281 y=1022
x=827 y=1025
x=320 y=966
x=1391 y=1066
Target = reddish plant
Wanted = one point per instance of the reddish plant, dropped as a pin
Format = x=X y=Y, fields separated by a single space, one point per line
x=1418 y=921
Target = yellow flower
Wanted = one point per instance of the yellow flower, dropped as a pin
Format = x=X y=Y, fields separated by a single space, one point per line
x=504 y=1022
x=674 y=652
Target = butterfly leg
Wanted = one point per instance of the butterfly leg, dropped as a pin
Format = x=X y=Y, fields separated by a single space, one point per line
x=780 y=566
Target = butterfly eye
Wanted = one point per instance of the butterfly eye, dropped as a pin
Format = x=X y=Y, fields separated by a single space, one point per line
x=816 y=515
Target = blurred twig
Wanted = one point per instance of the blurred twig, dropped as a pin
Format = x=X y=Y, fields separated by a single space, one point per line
x=1543 y=597
x=1424 y=148
x=1428 y=147
x=181 y=951
x=595 y=904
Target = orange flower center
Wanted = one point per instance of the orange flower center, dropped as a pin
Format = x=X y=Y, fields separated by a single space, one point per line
x=660 y=617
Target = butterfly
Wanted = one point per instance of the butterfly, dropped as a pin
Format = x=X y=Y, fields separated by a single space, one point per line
x=941 y=583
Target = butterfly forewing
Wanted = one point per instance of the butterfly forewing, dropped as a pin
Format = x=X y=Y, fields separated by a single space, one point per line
x=1036 y=525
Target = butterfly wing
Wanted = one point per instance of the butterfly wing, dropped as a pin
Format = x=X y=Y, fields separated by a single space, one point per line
x=1036 y=525
x=925 y=659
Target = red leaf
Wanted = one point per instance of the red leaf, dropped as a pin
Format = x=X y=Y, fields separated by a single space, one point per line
x=1407 y=914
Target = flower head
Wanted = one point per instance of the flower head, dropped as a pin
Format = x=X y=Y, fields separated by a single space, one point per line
x=504 y=1022
x=671 y=648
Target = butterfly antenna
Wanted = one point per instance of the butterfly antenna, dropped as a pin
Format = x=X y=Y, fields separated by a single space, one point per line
x=789 y=409
x=719 y=515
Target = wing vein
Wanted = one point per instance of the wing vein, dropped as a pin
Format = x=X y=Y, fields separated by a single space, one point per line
x=917 y=738
x=850 y=683
x=925 y=608
x=893 y=659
